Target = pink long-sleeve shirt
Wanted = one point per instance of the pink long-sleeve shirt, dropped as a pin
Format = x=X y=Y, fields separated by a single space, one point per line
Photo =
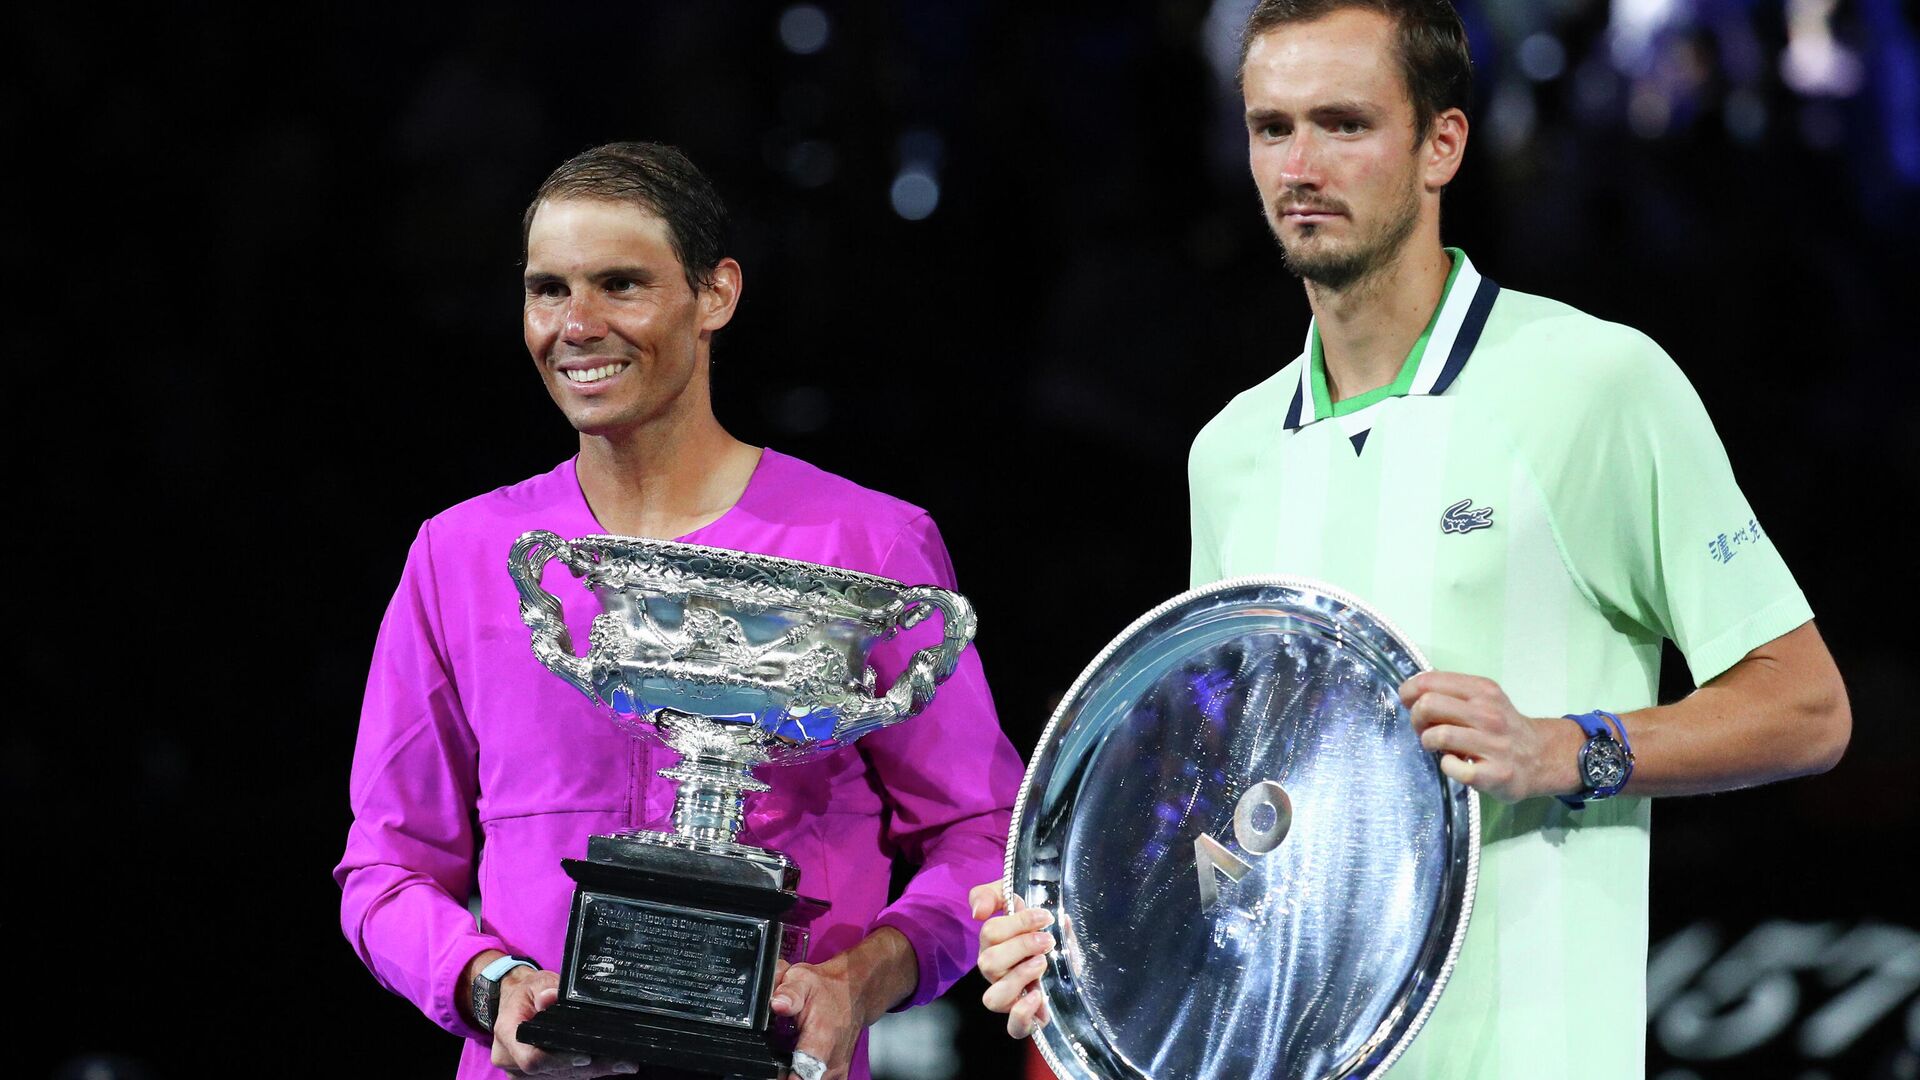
x=462 y=726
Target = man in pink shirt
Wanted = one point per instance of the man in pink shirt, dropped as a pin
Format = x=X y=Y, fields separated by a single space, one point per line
x=626 y=284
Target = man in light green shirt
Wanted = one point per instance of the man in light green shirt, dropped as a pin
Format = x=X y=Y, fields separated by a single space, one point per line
x=1538 y=499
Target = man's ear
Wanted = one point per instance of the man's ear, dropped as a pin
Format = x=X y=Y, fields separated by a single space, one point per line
x=1445 y=146
x=719 y=297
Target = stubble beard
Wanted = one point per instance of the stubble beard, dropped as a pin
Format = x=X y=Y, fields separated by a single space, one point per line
x=1342 y=267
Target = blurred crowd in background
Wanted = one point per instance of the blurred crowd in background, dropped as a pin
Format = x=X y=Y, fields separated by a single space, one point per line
x=1002 y=260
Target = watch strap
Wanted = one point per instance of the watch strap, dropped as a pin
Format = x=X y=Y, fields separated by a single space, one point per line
x=486 y=987
x=1600 y=724
x=497 y=970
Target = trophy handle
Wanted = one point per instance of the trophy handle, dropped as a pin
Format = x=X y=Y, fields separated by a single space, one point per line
x=540 y=609
x=930 y=666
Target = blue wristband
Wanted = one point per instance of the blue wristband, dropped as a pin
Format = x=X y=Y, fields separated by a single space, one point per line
x=497 y=970
x=1601 y=724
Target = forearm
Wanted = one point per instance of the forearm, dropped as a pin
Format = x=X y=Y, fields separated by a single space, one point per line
x=415 y=939
x=932 y=910
x=1780 y=712
x=951 y=784
x=882 y=970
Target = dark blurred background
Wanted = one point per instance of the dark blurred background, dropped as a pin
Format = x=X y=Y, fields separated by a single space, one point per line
x=1002 y=261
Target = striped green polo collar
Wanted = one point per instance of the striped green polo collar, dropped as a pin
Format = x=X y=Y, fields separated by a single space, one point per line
x=1431 y=366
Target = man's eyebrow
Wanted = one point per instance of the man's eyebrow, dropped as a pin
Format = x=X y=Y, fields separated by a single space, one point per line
x=1346 y=107
x=535 y=278
x=1342 y=108
x=632 y=273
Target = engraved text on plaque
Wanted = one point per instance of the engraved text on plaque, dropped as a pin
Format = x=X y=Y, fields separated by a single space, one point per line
x=667 y=959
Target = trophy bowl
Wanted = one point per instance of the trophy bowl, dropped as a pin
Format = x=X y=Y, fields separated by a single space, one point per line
x=771 y=652
x=734 y=660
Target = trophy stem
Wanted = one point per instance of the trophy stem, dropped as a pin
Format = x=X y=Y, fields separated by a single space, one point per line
x=710 y=802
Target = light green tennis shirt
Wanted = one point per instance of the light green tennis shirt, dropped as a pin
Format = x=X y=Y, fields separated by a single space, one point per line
x=1539 y=498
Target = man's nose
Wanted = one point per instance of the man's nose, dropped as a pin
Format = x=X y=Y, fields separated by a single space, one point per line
x=1300 y=167
x=584 y=323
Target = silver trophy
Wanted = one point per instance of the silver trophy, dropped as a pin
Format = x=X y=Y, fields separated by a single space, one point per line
x=1254 y=867
x=735 y=661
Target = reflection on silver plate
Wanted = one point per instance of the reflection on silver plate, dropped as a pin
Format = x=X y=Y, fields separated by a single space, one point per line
x=1254 y=868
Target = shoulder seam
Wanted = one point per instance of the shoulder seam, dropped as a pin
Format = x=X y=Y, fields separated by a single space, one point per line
x=433 y=575
x=886 y=557
x=1525 y=463
x=441 y=644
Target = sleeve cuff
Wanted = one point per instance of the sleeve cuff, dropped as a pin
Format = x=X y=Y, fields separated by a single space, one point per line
x=447 y=1011
x=926 y=966
x=1709 y=660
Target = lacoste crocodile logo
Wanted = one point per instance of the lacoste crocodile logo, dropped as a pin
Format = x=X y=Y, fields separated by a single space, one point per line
x=1462 y=517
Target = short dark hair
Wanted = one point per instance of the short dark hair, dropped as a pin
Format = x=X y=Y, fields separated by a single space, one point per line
x=1434 y=59
x=656 y=178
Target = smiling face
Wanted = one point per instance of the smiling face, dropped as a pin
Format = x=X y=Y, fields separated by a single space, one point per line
x=619 y=336
x=1331 y=141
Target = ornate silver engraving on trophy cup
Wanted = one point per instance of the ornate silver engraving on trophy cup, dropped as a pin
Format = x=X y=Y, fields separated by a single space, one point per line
x=733 y=659
x=736 y=661
x=1254 y=867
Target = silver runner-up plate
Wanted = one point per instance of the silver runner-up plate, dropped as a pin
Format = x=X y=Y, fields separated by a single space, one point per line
x=1254 y=868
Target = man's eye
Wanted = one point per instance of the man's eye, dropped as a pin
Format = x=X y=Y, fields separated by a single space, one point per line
x=621 y=284
x=1273 y=131
x=549 y=290
x=1352 y=127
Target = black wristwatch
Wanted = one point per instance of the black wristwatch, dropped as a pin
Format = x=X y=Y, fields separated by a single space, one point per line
x=1606 y=759
x=486 y=988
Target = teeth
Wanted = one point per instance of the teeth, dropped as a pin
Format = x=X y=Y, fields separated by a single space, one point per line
x=595 y=374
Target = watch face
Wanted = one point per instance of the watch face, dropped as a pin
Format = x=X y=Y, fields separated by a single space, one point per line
x=484 y=992
x=1604 y=764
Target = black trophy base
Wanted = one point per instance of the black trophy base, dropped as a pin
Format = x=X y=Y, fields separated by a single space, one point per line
x=670 y=960
x=590 y=1030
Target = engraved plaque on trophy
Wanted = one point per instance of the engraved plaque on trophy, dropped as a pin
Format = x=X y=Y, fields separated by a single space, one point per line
x=736 y=661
